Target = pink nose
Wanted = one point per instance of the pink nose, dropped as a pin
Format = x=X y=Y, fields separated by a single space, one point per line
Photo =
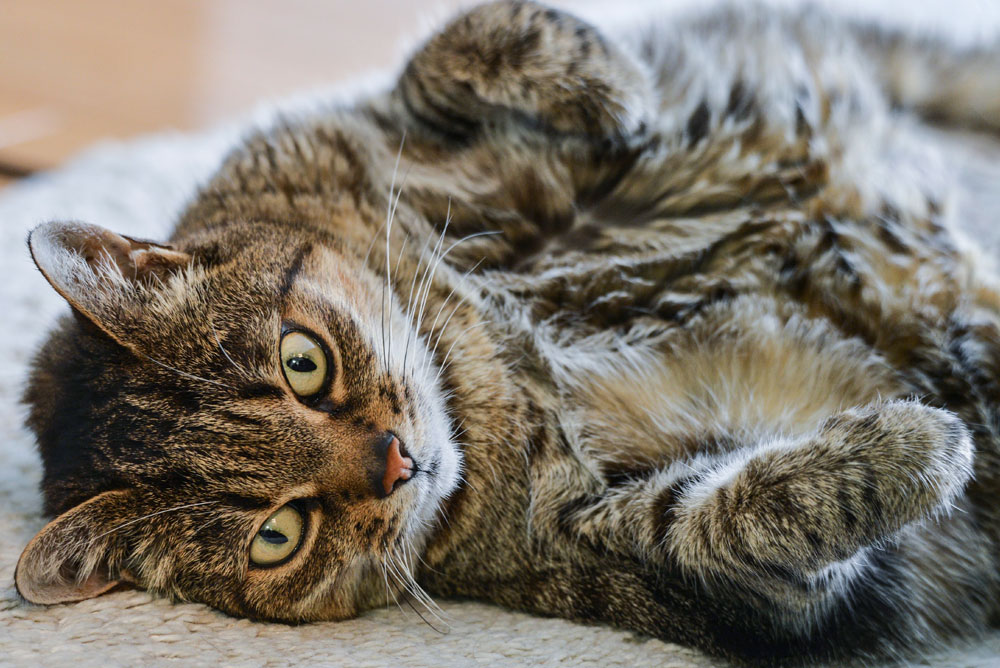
x=398 y=467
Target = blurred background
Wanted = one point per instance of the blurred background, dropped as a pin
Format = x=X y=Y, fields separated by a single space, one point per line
x=73 y=72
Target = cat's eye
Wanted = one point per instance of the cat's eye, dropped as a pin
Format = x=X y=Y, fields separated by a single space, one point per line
x=303 y=363
x=278 y=537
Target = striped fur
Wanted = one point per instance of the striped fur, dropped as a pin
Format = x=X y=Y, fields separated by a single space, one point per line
x=673 y=322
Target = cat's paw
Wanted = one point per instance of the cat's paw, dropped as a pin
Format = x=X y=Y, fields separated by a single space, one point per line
x=526 y=63
x=923 y=452
x=798 y=505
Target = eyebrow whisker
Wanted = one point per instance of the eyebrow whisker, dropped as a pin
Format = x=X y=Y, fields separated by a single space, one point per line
x=390 y=215
x=185 y=373
x=225 y=354
x=158 y=512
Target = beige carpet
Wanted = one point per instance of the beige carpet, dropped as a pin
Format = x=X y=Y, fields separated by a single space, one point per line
x=136 y=188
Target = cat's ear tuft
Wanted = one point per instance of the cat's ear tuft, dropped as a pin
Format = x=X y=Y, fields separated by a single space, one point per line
x=69 y=254
x=69 y=558
x=98 y=272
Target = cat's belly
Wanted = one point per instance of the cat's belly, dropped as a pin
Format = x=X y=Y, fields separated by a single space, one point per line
x=747 y=369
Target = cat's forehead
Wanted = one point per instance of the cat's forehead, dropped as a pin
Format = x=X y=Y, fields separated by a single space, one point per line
x=244 y=293
x=290 y=278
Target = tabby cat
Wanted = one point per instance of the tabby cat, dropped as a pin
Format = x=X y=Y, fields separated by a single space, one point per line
x=666 y=331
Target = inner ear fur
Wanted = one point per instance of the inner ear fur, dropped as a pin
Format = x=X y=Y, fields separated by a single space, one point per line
x=101 y=273
x=73 y=557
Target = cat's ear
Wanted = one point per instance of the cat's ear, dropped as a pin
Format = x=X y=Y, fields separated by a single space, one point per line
x=530 y=64
x=97 y=271
x=69 y=558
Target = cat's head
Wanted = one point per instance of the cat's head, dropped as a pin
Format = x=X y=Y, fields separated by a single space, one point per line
x=245 y=421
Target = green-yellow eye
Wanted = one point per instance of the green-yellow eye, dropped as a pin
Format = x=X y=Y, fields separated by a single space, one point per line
x=303 y=363
x=278 y=537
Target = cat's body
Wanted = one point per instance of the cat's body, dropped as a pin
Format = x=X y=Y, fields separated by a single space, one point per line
x=666 y=323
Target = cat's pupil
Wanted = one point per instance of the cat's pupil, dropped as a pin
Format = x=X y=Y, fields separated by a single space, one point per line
x=301 y=364
x=273 y=537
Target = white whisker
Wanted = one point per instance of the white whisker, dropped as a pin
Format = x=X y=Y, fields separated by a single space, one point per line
x=158 y=512
x=461 y=335
x=424 y=598
x=443 y=305
x=390 y=214
x=371 y=244
x=185 y=373
x=225 y=354
x=409 y=303
x=399 y=257
x=444 y=328
x=451 y=248
x=425 y=283
x=391 y=590
x=402 y=572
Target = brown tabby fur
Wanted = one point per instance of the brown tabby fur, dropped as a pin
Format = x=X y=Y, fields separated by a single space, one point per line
x=682 y=305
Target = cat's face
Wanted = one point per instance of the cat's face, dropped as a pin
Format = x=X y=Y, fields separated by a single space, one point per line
x=239 y=422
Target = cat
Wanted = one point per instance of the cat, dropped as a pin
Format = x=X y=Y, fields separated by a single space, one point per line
x=665 y=329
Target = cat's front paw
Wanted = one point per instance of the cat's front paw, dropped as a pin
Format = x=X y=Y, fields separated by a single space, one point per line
x=798 y=505
x=525 y=63
x=930 y=450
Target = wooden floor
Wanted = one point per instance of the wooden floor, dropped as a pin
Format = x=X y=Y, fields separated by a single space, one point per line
x=76 y=71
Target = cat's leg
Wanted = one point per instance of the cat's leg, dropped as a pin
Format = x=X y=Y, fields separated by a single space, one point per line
x=509 y=120
x=777 y=549
x=526 y=65
x=790 y=519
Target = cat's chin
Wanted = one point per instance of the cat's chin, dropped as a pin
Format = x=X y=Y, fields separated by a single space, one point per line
x=438 y=476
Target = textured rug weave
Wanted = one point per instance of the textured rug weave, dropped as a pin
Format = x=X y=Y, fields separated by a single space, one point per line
x=136 y=188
